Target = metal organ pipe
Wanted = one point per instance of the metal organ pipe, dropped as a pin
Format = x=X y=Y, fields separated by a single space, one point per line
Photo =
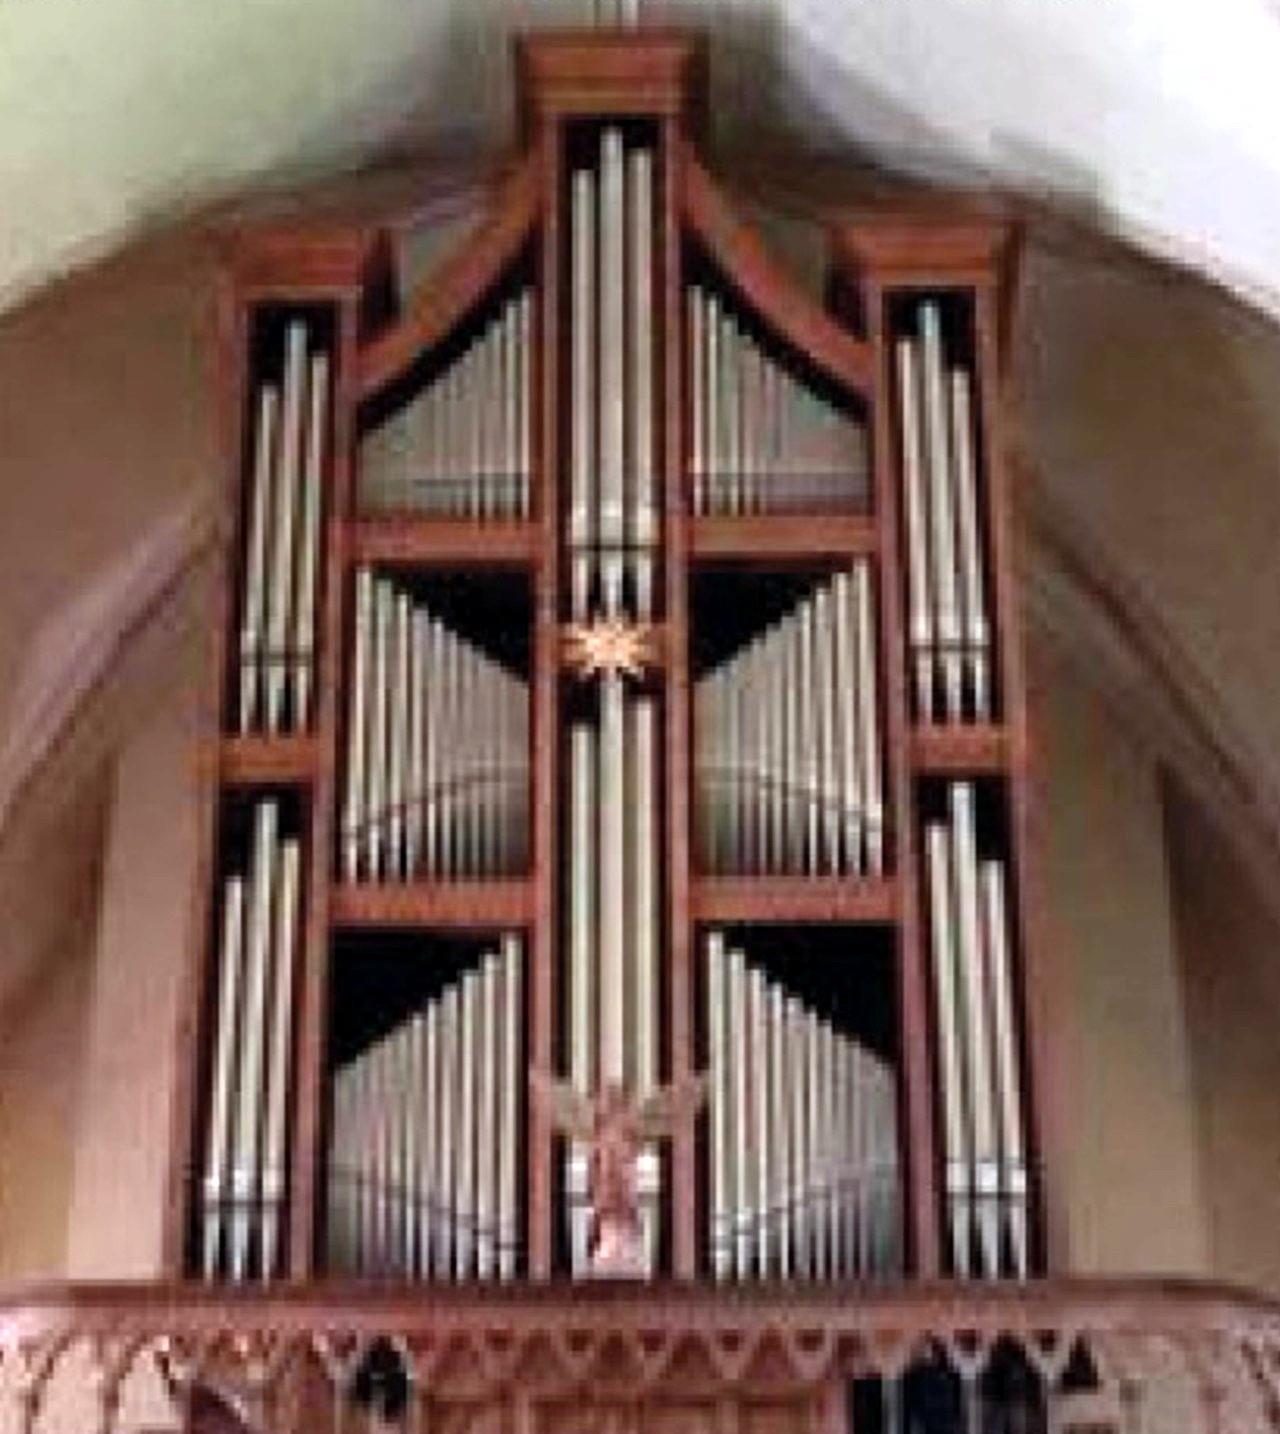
x=282 y=540
x=437 y=747
x=803 y=1134
x=424 y=1145
x=787 y=752
x=762 y=439
x=244 y=1177
x=949 y=623
x=613 y=528
x=976 y=1017
x=461 y=446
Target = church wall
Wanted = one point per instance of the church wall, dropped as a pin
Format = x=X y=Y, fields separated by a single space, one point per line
x=1126 y=1077
x=41 y=1078
x=129 y=1054
x=1229 y=944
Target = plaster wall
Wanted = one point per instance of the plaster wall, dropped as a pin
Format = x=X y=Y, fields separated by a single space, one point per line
x=1128 y=1102
x=1229 y=945
x=129 y=1057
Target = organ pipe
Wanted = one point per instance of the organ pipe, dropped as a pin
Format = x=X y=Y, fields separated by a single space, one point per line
x=802 y=1127
x=762 y=438
x=461 y=447
x=423 y=1151
x=949 y=627
x=612 y=530
x=787 y=754
x=437 y=747
x=280 y=563
x=981 y=1093
x=244 y=1177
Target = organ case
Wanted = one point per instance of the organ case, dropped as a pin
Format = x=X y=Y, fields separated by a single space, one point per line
x=618 y=683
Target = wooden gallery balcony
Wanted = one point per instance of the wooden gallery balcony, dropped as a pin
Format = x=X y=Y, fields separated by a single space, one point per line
x=1088 y=1357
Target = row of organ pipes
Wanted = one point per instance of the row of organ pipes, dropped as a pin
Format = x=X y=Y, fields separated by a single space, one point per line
x=437 y=771
x=949 y=632
x=242 y=1202
x=612 y=534
x=423 y=1156
x=803 y=1151
x=981 y=1095
x=282 y=524
x=462 y=447
x=761 y=438
x=788 y=760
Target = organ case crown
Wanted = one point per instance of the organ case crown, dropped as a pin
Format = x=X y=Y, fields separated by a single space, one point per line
x=783 y=852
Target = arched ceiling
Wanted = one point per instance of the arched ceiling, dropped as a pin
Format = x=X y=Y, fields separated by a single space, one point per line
x=1162 y=120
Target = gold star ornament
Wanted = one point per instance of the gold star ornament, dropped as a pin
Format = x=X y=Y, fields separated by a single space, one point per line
x=609 y=645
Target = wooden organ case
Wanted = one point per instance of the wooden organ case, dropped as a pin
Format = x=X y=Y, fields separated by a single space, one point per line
x=619 y=709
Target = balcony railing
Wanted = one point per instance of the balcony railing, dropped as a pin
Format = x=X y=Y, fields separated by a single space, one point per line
x=1074 y=1357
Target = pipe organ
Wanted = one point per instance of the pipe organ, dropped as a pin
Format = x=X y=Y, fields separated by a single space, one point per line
x=619 y=693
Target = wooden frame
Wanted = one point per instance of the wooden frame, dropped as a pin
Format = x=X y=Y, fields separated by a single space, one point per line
x=564 y=78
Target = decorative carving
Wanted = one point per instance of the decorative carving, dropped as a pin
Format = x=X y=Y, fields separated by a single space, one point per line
x=615 y=1125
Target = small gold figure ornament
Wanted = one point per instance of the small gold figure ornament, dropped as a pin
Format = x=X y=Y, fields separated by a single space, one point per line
x=615 y=1125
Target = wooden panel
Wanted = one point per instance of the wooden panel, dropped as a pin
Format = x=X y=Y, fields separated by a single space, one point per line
x=959 y=751
x=401 y=541
x=746 y=264
x=784 y=899
x=454 y=287
x=254 y=761
x=457 y=905
x=789 y=537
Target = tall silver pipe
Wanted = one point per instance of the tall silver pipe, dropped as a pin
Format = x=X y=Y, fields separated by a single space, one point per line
x=869 y=716
x=582 y=496
x=309 y=552
x=982 y=1105
x=848 y=746
x=284 y=536
x=977 y=634
x=950 y=1046
x=512 y=1015
x=1013 y=1160
x=643 y=522
x=487 y=1073
x=920 y=601
x=740 y=1129
x=942 y=512
x=695 y=302
x=246 y=1165
x=611 y=356
x=611 y=937
x=279 y=1060
x=720 y=1037
x=218 y=1171
x=253 y=609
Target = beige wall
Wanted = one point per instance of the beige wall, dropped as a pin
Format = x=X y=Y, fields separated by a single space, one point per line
x=1130 y=1122
x=41 y=1078
x=129 y=1053
x=1229 y=944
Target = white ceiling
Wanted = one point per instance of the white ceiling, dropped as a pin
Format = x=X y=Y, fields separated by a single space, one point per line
x=1159 y=117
